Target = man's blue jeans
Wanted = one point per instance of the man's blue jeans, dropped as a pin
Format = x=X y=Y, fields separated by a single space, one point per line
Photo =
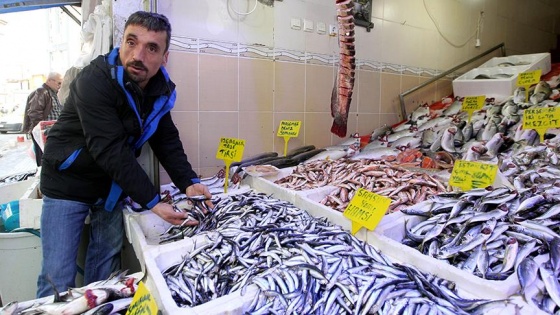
x=62 y=222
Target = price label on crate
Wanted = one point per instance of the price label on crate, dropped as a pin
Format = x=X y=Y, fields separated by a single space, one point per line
x=366 y=209
x=468 y=175
x=230 y=150
x=541 y=119
x=526 y=79
x=472 y=104
x=143 y=302
x=288 y=129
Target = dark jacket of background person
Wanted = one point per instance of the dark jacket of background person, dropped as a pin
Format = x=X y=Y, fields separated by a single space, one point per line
x=82 y=168
x=38 y=107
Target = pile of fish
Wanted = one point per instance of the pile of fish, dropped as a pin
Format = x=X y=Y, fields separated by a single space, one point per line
x=403 y=186
x=303 y=265
x=100 y=298
x=534 y=166
x=493 y=131
x=539 y=281
x=486 y=231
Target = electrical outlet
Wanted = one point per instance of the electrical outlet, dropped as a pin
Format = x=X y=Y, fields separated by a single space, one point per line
x=333 y=30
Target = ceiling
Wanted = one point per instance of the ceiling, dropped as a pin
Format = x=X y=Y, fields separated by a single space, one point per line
x=8 y=6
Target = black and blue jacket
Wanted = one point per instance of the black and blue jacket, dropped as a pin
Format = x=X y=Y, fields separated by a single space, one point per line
x=91 y=150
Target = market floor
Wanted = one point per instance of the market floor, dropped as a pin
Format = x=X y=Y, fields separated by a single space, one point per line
x=14 y=156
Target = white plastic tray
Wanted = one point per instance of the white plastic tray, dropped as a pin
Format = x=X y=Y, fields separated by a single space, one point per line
x=157 y=260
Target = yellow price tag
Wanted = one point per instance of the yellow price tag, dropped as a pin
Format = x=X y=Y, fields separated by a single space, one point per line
x=142 y=302
x=526 y=79
x=541 y=119
x=289 y=128
x=529 y=78
x=230 y=149
x=468 y=175
x=472 y=104
x=366 y=209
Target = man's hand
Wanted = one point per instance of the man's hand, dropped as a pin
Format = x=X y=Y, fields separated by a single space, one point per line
x=200 y=190
x=166 y=212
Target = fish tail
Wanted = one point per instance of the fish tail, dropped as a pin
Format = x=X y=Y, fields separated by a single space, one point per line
x=339 y=127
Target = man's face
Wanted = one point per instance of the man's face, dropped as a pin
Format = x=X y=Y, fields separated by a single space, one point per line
x=55 y=83
x=142 y=53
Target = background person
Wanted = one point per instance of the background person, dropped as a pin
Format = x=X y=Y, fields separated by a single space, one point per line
x=117 y=103
x=42 y=104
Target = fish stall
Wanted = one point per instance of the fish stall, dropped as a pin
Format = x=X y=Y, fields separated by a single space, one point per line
x=279 y=242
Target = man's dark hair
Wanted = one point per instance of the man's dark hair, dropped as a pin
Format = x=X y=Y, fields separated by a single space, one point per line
x=152 y=21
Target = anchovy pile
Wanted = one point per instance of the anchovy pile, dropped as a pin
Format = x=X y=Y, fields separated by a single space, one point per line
x=487 y=232
x=303 y=265
x=403 y=186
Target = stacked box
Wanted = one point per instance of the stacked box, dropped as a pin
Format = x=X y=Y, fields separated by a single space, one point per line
x=500 y=87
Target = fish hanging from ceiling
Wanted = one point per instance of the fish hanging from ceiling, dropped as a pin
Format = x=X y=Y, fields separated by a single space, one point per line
x=344 y=82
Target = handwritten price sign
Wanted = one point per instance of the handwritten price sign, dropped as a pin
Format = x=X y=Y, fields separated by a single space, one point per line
x=289 y=128
x=541 y=119
x=529 y=78
x=230 y=149
x=142 y=303
x=366 y=209
x=472 y=104
x=526 y=79
x=468 y=175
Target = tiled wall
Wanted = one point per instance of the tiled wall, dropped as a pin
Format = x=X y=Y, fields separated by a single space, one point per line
x=240 y=75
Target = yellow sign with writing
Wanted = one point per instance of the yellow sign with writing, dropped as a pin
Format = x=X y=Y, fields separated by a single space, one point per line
x=143 y=302
x=472 y=104
x=230 y=149
x=289 y=128
x=468 y=175
x=529 y=78
x=526 y=79
x=541 y=119
x=366 y=209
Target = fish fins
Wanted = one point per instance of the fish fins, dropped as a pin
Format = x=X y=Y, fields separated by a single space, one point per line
x=339 y=128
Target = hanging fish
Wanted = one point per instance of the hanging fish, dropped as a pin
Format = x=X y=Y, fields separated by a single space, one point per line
x=344 y=83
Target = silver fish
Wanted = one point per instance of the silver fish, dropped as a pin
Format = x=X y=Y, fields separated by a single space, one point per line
x=447 y=139
x=550 y=282
x=527 y=272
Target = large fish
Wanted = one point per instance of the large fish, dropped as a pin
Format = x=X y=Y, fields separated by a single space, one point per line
x=344 y=82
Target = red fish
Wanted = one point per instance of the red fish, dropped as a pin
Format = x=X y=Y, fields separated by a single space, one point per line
x=344 y=83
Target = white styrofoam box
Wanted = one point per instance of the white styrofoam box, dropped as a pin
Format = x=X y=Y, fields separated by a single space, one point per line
x=533 y=61
x=14 y=191
x=389 y=242
x=266 y=185
x=308 y=201
x=163 y=258
x=144 y=229
x=30 y=207
x=500 y=89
